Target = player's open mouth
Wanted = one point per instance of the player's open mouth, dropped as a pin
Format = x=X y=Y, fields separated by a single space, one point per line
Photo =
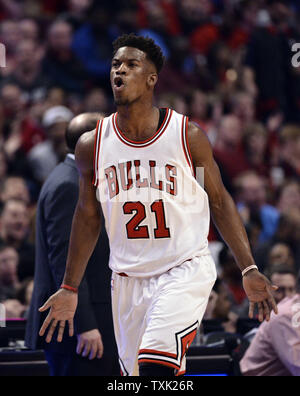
x=118 y=83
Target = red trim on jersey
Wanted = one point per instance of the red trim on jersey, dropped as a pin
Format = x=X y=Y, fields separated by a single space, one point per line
x=149 y=141
x=99 y=144
x=154 y=352
x=95 y=150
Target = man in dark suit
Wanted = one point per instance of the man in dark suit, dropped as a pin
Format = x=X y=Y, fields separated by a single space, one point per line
x=82 y=354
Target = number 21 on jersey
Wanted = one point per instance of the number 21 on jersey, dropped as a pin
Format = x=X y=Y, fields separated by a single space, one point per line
x=133 y=227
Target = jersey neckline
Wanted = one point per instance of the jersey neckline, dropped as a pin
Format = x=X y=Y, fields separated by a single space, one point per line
x=143 y=143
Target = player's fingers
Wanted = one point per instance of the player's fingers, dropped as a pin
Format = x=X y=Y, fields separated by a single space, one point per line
x=100 y=349
x=87 y=349
x=51 y=331
x=62 y=325
x=251 y=310
x=260 y=312
x=71 y=327
x=45 y=325
x=46 y=306
x=272 y=303
x=80 y=346
x=93 y=351
x=267 y=311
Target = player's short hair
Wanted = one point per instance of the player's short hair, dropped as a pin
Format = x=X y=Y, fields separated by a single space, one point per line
x=145 y=44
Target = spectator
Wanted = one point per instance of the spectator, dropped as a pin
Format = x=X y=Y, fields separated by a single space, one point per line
x=275 y=350
x=14 y=227
x=92 y=45
x=286 y=281
x=252 y=199
x=243 y=107
x=256 y=139
x=45 y=156
x=9 y=282
x=199 y=109
x=29 y=29
x=289 y=197
x=288 y=233
x=28 y=74
x=290 y=153
x=96 y=101
x=9 y=36
x=219 y=308
x=228 y=149
x=77 y=12
x=60 y=64
x=268 y=57
x=14 y=188
x=20 y=133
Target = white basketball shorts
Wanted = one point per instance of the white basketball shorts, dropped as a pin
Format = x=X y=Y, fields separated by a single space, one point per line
x=156 y=319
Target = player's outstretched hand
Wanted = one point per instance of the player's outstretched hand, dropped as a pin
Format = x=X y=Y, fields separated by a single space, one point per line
x=62 y=306
x=260 y=292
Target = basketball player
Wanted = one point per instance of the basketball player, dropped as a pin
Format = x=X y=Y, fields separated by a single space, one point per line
x=139 y=167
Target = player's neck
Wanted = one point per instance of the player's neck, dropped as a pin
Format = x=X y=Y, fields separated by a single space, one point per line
x=138 y=121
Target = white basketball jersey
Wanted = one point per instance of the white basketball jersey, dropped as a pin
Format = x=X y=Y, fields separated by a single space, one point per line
x=156 y=213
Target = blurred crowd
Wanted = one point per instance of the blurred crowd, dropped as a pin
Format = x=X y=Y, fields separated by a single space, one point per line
x=228 y=66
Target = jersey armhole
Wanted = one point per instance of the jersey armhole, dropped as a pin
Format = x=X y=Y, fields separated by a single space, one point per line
x=97 y=152
x=185 y=144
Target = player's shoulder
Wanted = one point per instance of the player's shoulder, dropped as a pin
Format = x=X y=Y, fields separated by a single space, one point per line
x=84 y=152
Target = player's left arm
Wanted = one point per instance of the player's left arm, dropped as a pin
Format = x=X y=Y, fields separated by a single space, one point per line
x=228 y=221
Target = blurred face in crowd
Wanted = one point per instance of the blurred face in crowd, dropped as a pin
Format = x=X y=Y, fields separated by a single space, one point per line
x=15 y=188
x=9 y=260
x=96 y=101
x=291 y=148
x=14 y=221
x=56 y=134
x=195 y=10
x=253 y=191
x=199 y=105
x=281 y=254
x=289 y=227
x=157 y=17
x=29 y=29
x=287 y=286
x=10 y=34
x=60 y=36
x=244 y=107
x=27 y=55
x=79 y=6
x=256 y=140
x=230 y=133
x=290 y=197
x=133 y=76
x=279 y=12
x=11 y=99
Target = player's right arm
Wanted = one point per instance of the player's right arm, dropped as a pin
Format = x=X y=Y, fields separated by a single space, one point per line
x=85 y=232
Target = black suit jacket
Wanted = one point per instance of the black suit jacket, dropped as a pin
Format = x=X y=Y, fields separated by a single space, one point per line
x=56 y=207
